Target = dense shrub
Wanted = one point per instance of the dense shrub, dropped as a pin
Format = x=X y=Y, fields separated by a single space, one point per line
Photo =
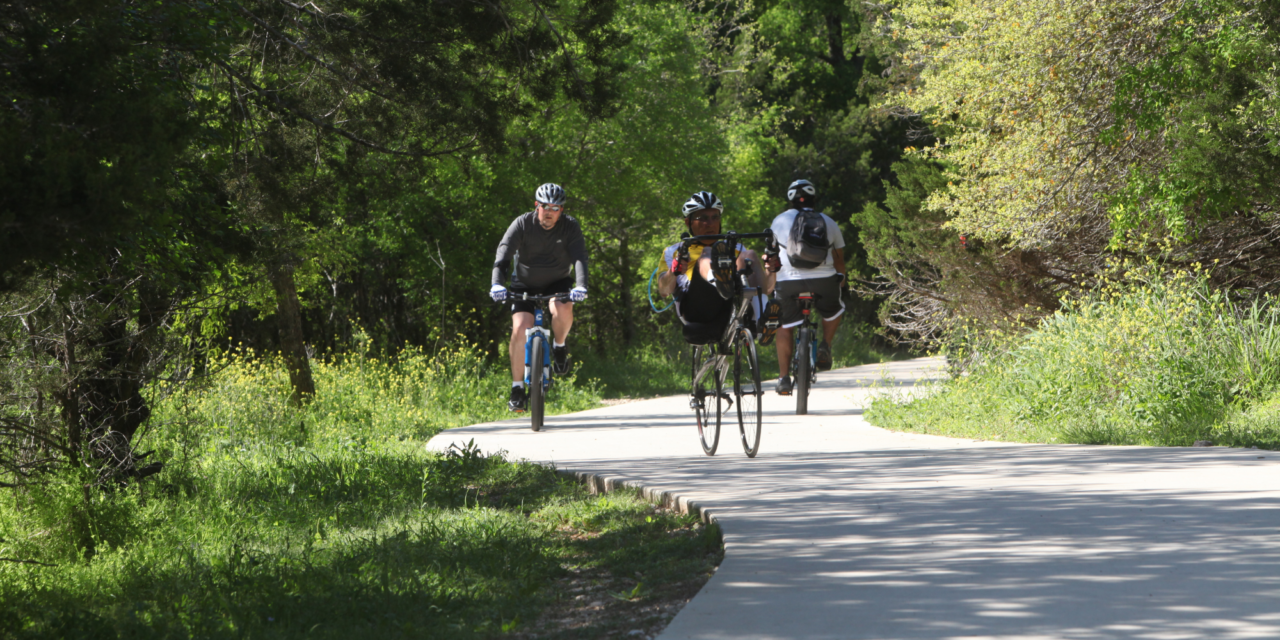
x=1163 y=360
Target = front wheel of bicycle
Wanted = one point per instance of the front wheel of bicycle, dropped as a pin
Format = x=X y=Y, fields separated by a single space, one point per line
x=707 y=406
x=537 y=391
x=748 y=392
x=804 y=364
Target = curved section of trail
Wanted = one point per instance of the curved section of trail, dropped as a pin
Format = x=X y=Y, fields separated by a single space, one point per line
x=843 y=530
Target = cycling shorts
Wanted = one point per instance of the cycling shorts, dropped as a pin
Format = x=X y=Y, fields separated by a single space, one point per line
x=828 y=304
x=562 y=285
x=703 y=312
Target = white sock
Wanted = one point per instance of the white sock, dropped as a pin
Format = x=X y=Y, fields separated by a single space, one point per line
x=558 y=345
x=517 y=384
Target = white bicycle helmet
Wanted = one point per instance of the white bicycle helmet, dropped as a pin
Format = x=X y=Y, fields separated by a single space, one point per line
x=801 y=191
x=702 y=200
x=549 y=193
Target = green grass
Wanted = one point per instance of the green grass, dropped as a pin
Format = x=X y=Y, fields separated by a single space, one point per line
x=1164 y=361
x=410 y=395
x=331 y=521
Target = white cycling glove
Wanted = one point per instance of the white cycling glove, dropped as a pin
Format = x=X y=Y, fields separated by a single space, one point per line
x=498 y=293
x=578 y=294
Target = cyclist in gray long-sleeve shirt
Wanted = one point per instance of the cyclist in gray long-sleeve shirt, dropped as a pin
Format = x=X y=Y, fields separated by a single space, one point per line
x=546 y=244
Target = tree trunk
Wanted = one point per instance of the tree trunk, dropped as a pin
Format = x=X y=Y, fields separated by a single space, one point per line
x=628 y=315
x=70 y=400
x=835 y=40
x=289 y=320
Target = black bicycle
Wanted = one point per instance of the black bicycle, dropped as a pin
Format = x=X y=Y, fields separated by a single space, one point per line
x=711 y=366
x=537 y=354
x=804 y=358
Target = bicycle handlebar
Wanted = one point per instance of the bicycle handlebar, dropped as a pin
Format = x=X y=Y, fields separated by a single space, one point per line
x=536 y=298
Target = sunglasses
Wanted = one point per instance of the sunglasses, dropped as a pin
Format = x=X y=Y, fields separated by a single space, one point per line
x=705 y=219
x=554 y=208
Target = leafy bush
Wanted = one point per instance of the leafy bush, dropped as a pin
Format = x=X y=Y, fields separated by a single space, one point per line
x=1164 y=360
x=412 y=394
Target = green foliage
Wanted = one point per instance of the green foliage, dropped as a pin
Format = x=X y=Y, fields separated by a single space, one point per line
x=1019 y=94
x=1166 y=361
x=97 y=127
x=1211 y=97
x=798 y=81
x=658 y=368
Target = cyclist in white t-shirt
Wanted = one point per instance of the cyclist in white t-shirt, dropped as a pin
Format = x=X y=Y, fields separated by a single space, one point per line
x=826 y=279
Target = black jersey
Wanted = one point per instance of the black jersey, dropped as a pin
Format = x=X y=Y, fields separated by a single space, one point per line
x=542 y=255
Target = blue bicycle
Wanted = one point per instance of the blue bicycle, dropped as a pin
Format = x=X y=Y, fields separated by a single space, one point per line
x=537 y=354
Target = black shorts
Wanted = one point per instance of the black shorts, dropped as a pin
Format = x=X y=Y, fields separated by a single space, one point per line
x=704 y=314
x=562 y=285
x=828 y=304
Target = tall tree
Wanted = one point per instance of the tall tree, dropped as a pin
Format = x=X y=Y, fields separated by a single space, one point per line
x=414 y=81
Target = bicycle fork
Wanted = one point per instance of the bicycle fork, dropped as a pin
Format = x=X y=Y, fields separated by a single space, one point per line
x=546 y=355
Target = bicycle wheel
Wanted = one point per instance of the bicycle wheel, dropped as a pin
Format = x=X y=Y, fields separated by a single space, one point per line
x=707 y=407
x=537 y=391
x=804 y=365
x=813 y=360
x=748 y=392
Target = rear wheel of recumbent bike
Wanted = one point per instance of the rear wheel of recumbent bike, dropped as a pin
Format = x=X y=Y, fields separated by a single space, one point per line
x=748 y=392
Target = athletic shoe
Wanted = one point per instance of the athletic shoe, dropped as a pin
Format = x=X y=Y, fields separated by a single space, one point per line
x=519 y=400
x=770 y=320
x=784 y=386
x=560 y=356
x=824 y=356
x=722 y=268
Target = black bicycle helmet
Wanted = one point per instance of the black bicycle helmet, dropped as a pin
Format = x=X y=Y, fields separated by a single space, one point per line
x=801 y=192
x=549 y=193
x=701 y=200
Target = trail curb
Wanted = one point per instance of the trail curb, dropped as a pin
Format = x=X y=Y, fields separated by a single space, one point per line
x=601 y=483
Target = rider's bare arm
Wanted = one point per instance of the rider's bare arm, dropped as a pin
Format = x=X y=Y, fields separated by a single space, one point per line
x=667 y=284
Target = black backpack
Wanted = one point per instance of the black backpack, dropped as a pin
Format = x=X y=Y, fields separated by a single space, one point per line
x=808 y=246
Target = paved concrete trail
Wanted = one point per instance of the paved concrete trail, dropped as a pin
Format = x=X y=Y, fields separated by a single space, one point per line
x=843 y=530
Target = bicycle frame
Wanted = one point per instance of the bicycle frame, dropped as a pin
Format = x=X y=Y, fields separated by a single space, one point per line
x=714 y=360
x=538 y=329
x=538 y=340
x=804 y=360
x=717 y=363
x=805 y=301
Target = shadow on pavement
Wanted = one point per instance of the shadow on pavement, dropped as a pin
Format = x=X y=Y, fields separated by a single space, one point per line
x=993 y=542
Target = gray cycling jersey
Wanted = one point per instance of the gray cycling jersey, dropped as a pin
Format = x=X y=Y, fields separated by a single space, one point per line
x=542 y=256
